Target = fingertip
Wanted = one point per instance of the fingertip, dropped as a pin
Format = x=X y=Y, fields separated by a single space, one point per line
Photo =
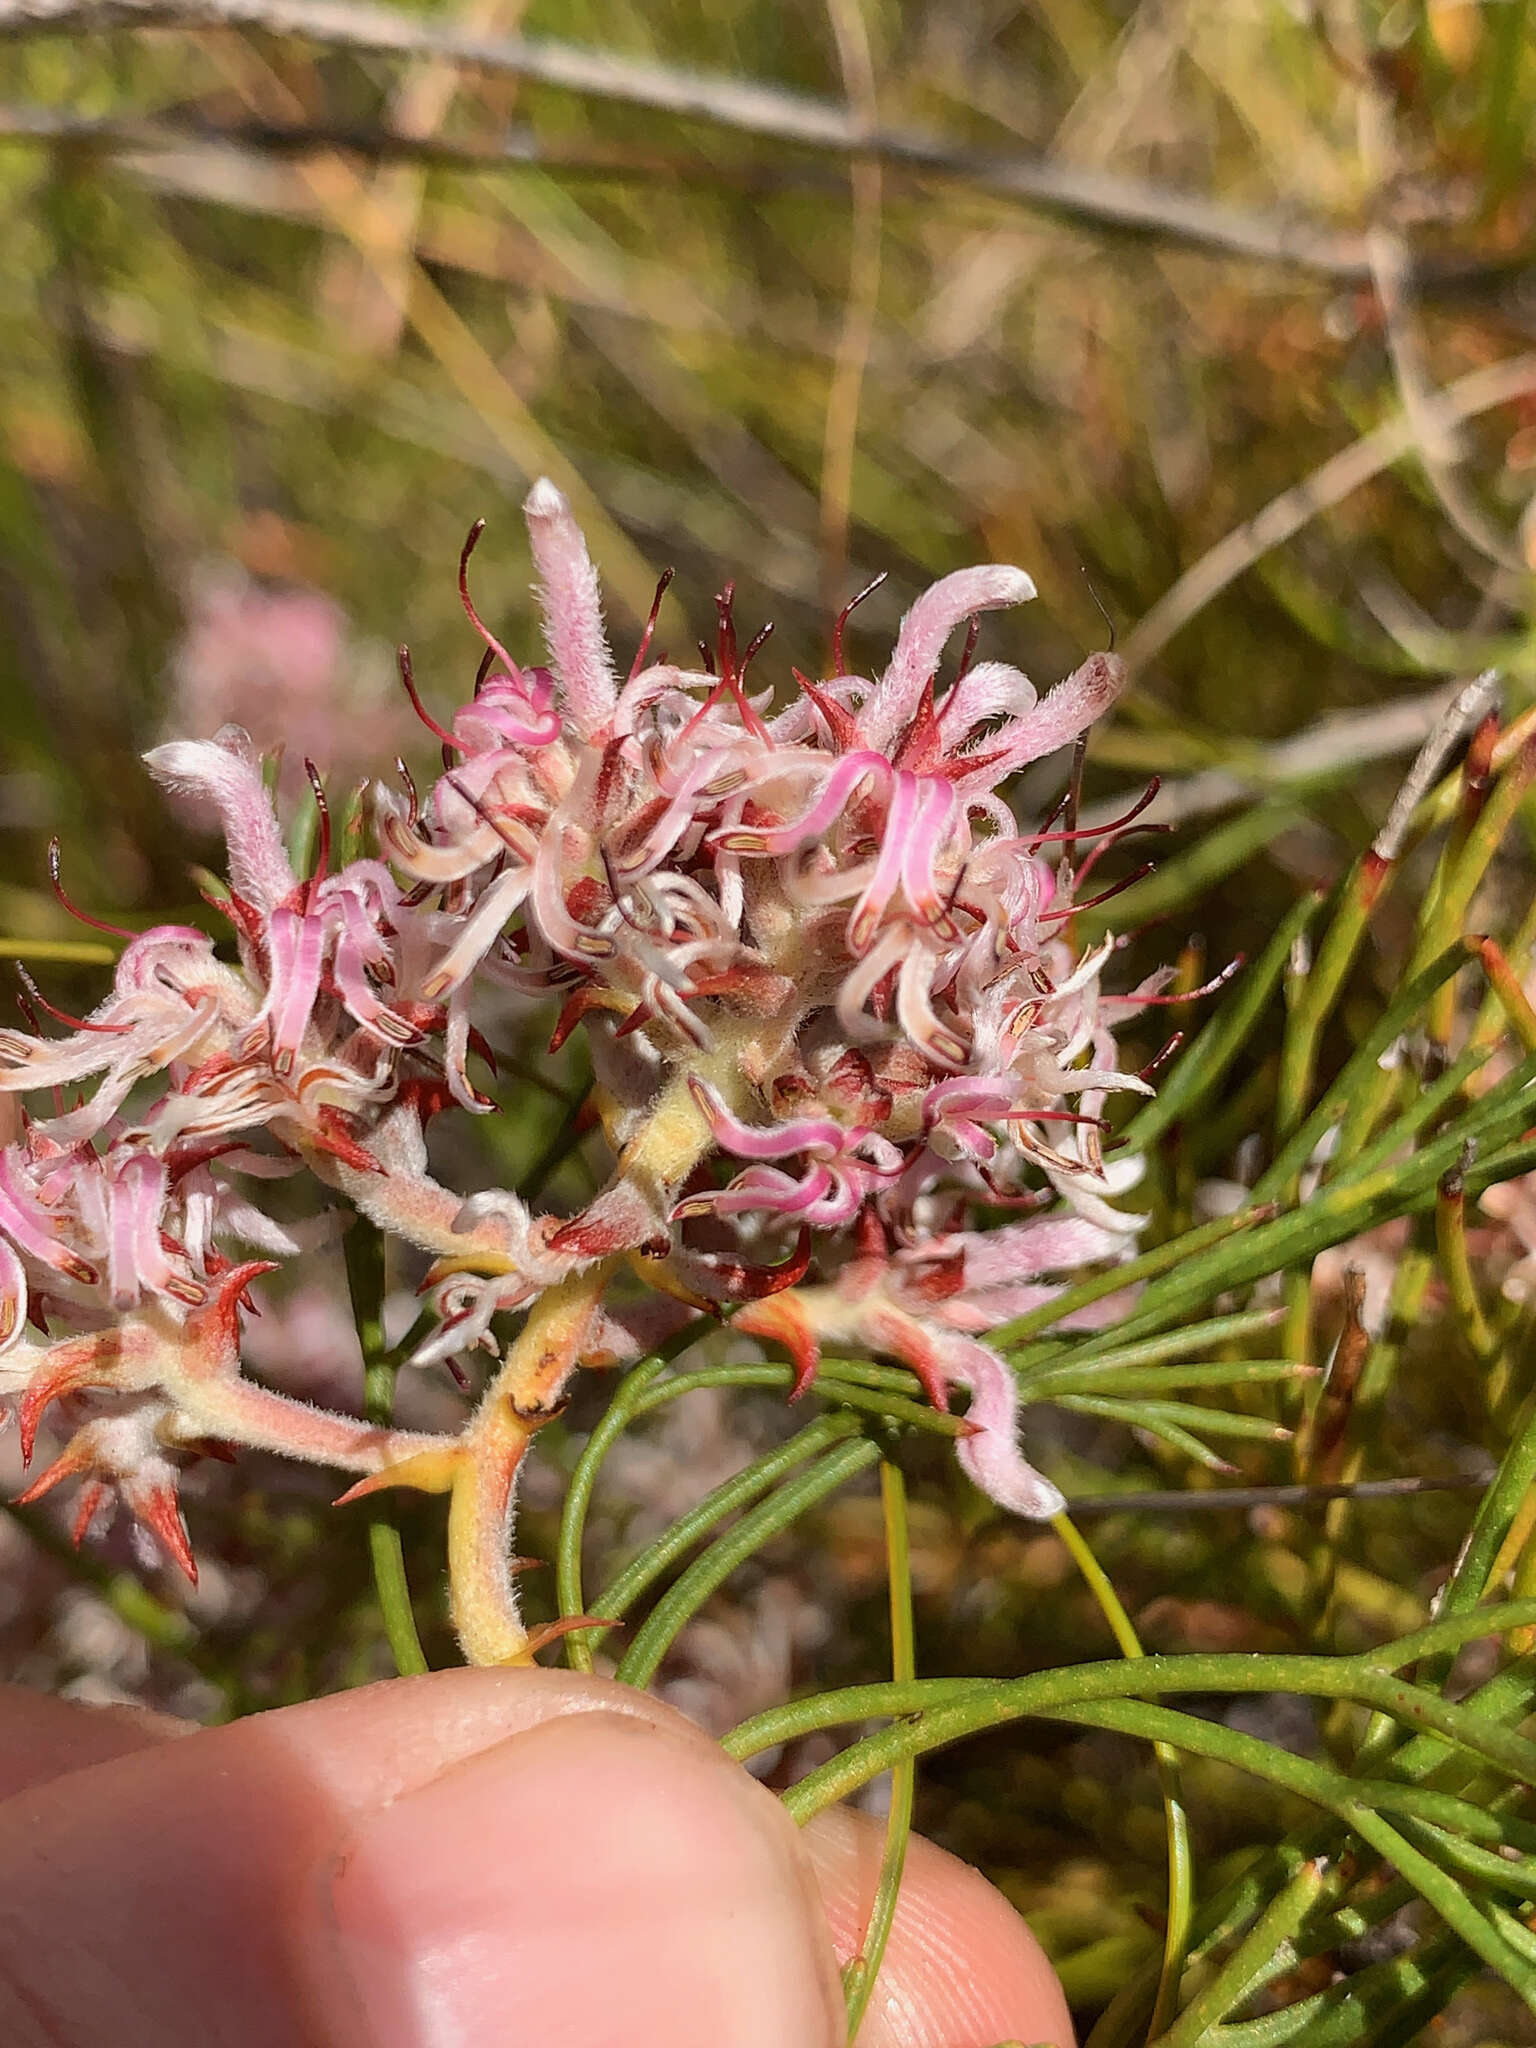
x=961 y=1969
x=419 y=1865
x=156 y=1890
x=597 y=1878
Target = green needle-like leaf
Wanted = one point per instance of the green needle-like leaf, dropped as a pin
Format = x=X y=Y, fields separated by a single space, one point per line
x=784 y=1506
x=730 y=1497
x=860 y=1976
x=1199 y=1071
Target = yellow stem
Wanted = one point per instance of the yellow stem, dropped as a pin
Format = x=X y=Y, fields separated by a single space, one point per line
x=518 y=1401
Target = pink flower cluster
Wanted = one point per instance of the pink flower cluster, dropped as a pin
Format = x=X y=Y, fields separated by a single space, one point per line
x=282 y=660
x=832 y=1007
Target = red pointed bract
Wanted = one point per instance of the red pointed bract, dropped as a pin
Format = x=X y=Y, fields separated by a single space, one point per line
x=92 y=1499
x=158 y=1509
x=70 y=1462
x=568 y=1624
x=71 y=1374
x=781 y=1319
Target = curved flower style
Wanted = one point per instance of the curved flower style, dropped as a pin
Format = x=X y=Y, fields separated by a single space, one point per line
x=832 y=1002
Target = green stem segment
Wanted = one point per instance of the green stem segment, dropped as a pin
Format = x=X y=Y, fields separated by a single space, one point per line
x=644 y=1390
x=1181 y=1865
x=578 y=1502
x=1370 y=1679
x=860 y=1975
x=741 y=1491
x=708 y=1572
x=1265 y=1952
x=365 y=1280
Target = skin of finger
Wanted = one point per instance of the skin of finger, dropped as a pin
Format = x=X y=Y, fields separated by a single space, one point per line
x=42 y=1737
x=961 y=1969
x=309 y=1772
x=656 y=1896
x=174 y=1893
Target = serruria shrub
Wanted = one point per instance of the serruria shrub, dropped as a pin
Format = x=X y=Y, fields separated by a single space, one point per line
x=836 y=1021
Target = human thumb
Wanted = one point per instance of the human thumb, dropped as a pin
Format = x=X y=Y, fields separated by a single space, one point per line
x=477 y=1859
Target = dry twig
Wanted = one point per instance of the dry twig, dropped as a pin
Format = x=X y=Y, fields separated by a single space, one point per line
x=1094 y=199
x=1327 y=486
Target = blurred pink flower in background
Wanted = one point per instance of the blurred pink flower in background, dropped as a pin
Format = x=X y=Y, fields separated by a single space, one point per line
x=305 y=1343
x=283 y=662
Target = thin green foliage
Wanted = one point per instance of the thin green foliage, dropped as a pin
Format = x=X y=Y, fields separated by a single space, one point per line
x=732 y=1496
x=1181 y=1870
x=861 y=1974
x=364 y=1248
x=708 y=1572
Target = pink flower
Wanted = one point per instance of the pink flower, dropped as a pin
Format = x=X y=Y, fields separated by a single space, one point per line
x=922 y=1306
x=844 y=1167
x=281 y=663
x=826 y=978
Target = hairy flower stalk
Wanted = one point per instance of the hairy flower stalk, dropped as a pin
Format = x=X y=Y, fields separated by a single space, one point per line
x=832 y=1005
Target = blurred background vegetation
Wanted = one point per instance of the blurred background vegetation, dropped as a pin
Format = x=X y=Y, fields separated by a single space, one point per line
x=1216 y=315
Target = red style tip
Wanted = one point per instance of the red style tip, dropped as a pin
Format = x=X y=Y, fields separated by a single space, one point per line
x=97 y=924
x=841 y=625
x=37 y=997
x=493 y=646
x=646 y=637
x=408 y=678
